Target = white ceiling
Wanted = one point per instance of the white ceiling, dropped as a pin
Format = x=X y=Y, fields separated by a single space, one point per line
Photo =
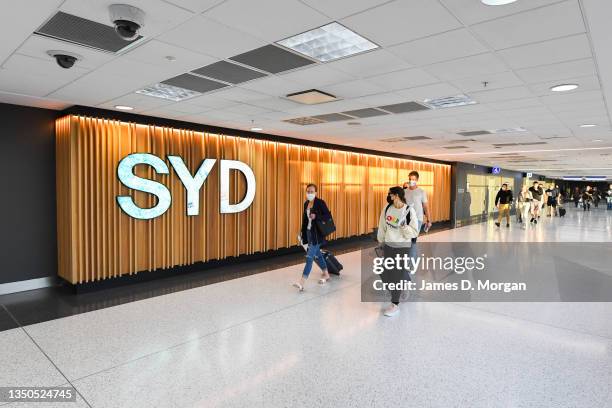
x=429 y=48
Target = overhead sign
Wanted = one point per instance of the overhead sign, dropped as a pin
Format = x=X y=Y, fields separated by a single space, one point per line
x=529 y=175
x=496 y=170
x=192 y=184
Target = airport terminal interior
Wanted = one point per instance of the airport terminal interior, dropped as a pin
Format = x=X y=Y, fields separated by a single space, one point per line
x=306 y=203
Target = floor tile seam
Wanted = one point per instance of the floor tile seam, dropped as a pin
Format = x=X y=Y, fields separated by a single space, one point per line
x=221 y=330
x=575 y=331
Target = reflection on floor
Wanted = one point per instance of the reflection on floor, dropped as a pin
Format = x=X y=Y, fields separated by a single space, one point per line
x=255 y=342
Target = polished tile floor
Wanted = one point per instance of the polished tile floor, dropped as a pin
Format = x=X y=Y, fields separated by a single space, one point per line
x=255 y=342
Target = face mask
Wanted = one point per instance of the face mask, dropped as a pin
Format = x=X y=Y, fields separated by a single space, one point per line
x=389 y=199
x=412 y=183
x=310 y=196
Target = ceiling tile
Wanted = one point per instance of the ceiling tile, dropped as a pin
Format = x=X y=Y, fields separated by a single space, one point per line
x=559 y=71
x=274 y=86
x=211 y=101
x=44 y=103
x=540 y=24
x=403 y=21
x=317 y=76
x=438 y=90
x=138 y=102
x=197 y=6
x=471 y=12
x=548 y=52
x=494 y=81
x=270 y=20
x=338 y=9
x=19 y=20
x=155 y=52
x=437 y=48
x=279 y=104
x=239 y=94
x=196 y=35
x=408 y=78
x=468 y=67
x=370 y=63
x=354 y=89
x=506 y=94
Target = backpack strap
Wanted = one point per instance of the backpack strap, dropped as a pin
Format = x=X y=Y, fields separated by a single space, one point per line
x=407 y=213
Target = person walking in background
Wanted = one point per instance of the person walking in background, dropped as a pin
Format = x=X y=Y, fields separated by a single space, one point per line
x=596 y=197
x=417 y=198
x=314 y=209
x=524 y=204
x=609 y=197
x=576 y=197
x=552 y=194
x=587 y=196
x=503 y=200
x=397 y=226
x=536 y=201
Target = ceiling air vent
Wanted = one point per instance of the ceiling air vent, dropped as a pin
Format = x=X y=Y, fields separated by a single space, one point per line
x=78 y=30
x=405 y=139
x=304 y=121
x=449 y=102
x=454 y=147
x=404 y=107
x=474 y=133
x=333 y=117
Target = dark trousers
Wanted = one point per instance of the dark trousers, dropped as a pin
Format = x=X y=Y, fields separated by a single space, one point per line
x=395 y=275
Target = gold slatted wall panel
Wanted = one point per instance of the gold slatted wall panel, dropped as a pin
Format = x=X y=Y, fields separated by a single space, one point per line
x=98 y=241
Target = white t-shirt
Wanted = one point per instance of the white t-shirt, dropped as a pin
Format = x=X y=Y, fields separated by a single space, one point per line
x=416 y=198
x=309 y=219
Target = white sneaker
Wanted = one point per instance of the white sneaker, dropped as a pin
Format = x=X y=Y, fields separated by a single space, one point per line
x=392 y=310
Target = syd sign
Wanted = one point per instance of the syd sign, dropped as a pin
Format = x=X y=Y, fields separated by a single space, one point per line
x=192 y=184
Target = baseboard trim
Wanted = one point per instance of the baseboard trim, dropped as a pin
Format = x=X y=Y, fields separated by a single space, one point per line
x=30 y=284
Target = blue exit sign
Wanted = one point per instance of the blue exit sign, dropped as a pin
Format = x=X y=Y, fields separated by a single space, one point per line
x=496 y=170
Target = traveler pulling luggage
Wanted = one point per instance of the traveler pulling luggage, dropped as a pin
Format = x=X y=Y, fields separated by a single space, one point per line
x=317 y=223
x=333 y=265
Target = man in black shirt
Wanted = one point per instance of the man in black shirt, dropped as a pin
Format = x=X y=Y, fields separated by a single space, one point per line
x=536 y=193
x=553 y=196
x=503 y=200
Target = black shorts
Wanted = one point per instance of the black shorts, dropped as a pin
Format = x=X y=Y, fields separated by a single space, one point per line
x=552 y=202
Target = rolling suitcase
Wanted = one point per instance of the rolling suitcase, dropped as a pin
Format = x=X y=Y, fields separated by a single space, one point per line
x=561 y=212
x=333 y=265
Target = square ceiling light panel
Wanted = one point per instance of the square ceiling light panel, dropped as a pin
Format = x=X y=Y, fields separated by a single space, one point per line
x=404 y=107
x=165 y=91
x=74 y=29
x=365 y=113
x=311 y=97
x=194 y=83
x=271 y=58
x=449 y=102
x=328 y=43
x=228 y=72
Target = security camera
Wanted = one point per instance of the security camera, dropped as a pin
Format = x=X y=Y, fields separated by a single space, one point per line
x=128 y=20
x=64 y=59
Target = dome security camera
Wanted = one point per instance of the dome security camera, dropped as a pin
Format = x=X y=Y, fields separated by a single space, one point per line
x=128 y=20
x=64 y=59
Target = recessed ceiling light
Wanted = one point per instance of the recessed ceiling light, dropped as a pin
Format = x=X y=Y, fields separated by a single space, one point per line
x=353 y=123
x=170 y=58
x=327 y=43
x=564 y=87
x=123 y=107
x=587 y=125
x=497 y=2
x=165 y=91
x=348 y=144
x=256 y=129
x=597 y=140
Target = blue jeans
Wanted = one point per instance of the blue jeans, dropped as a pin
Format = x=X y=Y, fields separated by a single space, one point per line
x=313 y=254
x=413 y=247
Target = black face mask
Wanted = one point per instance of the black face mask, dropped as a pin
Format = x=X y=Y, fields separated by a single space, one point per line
x=389 y=199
